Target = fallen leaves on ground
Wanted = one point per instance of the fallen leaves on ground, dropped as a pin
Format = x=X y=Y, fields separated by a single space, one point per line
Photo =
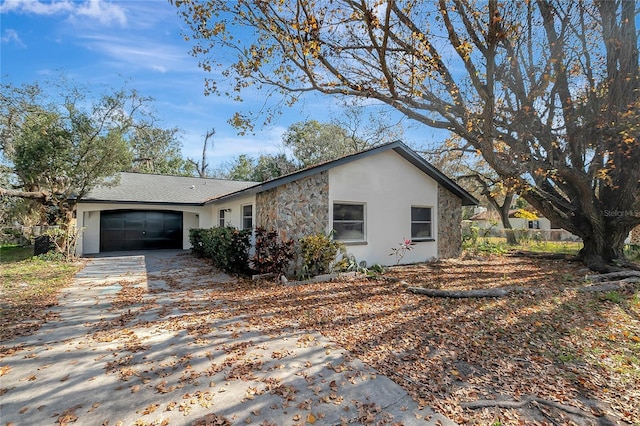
x=556 y=349
x=576 y=349
x=29 y=288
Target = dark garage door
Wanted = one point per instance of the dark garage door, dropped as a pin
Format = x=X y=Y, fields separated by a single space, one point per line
x=140 y=230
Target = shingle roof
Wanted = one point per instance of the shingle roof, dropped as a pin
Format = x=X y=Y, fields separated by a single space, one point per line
x=162 y=189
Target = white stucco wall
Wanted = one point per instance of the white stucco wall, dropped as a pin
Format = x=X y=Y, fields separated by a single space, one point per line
x=88 y=217
x=388 y=186
x=233 y=215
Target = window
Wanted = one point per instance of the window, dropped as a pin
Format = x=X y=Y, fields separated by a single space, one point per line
x=221 y=221
x=534 y=224
x=348 y=222
x=421 y=223
x=247 y=216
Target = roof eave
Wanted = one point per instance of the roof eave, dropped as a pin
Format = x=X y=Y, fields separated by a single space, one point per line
x=155 y=203
x=398 y=146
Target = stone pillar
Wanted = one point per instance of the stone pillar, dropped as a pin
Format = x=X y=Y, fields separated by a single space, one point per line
x=296 y=209
x=449 y=224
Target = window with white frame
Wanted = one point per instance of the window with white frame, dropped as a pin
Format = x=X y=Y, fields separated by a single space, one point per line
x=247 y=216
x=421 y=224
x=348 y=221
x=221 y=218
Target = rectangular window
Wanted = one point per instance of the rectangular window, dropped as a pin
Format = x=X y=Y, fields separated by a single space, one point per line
x=247 y=216
x=221 y=221
x=348 y=222
x=421 y=223
x=534 y=224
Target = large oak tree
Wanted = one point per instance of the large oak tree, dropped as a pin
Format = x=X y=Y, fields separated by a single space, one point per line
x=546 y=90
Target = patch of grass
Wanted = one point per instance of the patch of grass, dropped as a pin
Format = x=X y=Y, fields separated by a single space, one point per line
x=553 y=247
x=12 y=253
x=498 y=245
x=486 y=246
x=613 y=296
x=29 y=286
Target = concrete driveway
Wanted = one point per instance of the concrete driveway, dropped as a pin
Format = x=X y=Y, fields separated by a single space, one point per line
x=136 y=340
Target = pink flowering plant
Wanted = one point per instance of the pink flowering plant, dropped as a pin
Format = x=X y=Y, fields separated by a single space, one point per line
x=399 y=252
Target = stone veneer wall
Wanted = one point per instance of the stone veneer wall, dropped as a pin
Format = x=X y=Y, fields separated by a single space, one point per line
x=449 y=224
x=297 y=209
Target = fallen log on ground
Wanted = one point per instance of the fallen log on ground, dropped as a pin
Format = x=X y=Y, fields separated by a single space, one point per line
x=488 y=403
x=622 y=285
x=625 y=284
x=613 y=275
x=459 y=294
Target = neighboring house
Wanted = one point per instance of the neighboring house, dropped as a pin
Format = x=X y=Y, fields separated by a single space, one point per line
x=634 y=237
x=371 y=200
x=490 y=220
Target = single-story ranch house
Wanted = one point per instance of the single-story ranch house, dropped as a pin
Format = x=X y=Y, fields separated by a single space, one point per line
x=372 y=200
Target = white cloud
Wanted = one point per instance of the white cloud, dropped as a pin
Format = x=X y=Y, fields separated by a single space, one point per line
x=137 y=52
x=101 y=10
x=36 y=7
x=11 y=36
x=159 y=68
x=104 y=12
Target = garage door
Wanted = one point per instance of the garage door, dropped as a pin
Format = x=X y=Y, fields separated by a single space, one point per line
x=140 y=230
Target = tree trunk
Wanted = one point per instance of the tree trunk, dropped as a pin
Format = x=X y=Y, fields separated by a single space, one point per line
x=603 y=249
x=504 y=217
x=503 y=211
x=508 y=229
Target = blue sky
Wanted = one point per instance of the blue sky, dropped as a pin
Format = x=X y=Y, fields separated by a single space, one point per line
x=110 y=42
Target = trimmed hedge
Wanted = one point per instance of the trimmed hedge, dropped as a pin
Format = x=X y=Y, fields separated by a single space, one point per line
x=227 y=247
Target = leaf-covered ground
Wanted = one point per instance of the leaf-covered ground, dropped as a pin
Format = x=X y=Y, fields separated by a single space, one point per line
x=576 y=356
x=28 y=287
x=546 y=356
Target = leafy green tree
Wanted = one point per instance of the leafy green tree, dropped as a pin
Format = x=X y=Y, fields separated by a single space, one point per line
x=158 y=151
x=548 y=91
x=265 y=167
x=272 y=166
x=242 y=168
x=58 y=145
x=312 y=142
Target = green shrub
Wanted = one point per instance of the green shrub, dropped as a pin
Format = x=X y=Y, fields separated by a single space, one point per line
x=272 y=254
x=319 y=254
x=632 y=252
x=484 y=246
x=227 y=247
x=196 y=238
x=471 y=239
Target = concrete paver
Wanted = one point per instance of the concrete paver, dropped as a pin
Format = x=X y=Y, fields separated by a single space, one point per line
x=176 y=357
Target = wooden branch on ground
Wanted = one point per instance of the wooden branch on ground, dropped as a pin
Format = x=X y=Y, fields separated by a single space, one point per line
x=613 y=275
x=624 y=284
x=460 y=294
x=488 y=403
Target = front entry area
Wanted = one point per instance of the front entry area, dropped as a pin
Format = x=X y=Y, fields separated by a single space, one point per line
x=140 y=230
